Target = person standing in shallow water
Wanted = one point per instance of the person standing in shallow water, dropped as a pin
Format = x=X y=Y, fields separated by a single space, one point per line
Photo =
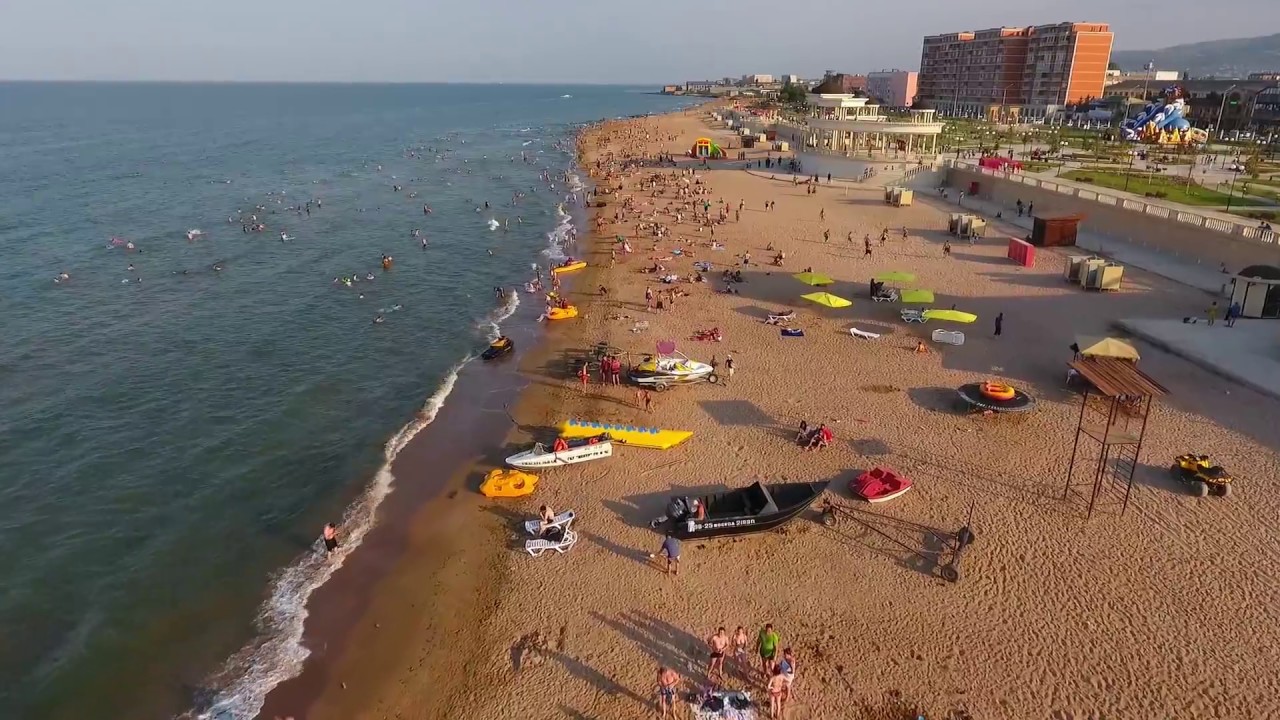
x=330 y=536
x=999 y=324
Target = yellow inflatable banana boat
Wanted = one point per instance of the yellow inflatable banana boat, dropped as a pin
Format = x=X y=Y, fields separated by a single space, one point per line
x=569 y=267
x=629 y=435
x=562 y=313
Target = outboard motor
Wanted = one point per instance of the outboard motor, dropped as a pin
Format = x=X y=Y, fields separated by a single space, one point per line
x=677 y=509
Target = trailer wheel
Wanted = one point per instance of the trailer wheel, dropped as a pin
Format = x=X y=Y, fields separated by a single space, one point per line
x=829 y=518
x=713 y=378
x=950 y=573
x=660 y=386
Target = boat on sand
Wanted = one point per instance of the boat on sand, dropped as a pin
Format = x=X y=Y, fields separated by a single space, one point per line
x=755 y=508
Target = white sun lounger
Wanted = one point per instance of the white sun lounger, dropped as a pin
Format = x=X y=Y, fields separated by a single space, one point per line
x=537 y=547
x=863 y=334
x=948 y=337
x=563 y=520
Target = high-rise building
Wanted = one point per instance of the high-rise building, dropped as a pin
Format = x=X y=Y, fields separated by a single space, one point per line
x=1009 y=73
x=893 y=88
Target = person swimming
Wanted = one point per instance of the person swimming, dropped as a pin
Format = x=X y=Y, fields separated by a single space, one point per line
x=379 y=320
x=368 y=276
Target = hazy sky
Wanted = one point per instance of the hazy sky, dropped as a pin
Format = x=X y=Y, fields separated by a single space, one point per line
x=649 y=41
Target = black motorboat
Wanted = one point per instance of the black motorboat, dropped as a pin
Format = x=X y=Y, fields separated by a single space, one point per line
x=498 y=348
x=755 y=508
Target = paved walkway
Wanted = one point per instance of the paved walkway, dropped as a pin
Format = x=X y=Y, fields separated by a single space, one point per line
x=1191 y=274
x=1243 y=354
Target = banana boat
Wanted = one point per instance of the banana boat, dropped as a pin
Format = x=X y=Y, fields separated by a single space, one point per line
x=569 y=267
x=629 y=435
x=562 y=313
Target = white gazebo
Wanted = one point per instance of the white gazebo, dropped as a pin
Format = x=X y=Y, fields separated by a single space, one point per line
x=846 y=124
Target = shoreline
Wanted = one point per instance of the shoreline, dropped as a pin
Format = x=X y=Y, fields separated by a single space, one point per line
x=338 y=613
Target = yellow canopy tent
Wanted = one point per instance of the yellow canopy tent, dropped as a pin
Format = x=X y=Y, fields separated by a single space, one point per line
x=1109 y=347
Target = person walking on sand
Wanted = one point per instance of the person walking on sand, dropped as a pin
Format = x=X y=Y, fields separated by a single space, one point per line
x=1212 y=312
x=826 y=235
x=1233 y=313
x=584 y=375
x=822 y=214
x=728 y=368
x=866 y=247
x=719 y=644
x=330 y=535
x=670 y=549
x=767 y=648
x=648 y=298
x=999 y=324
x=668 y=679
x=648 y=401
x=788 y=667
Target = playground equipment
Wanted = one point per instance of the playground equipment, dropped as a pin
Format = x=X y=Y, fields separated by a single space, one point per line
x=1164 y=122
x=705 y=148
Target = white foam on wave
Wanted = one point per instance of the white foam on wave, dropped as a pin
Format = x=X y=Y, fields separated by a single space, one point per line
x=277 y=654
x=559 y=238
x=498 y=314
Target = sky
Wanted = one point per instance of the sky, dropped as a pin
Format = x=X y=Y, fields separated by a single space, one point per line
x=589 y=41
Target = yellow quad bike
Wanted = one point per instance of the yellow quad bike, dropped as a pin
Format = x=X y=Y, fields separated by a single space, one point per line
x=1200 y=474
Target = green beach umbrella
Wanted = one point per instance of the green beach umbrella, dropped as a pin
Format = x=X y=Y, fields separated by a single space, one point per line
x=923 y=297
x=827 y=299
x=952 y=315
x=894 y=276
x=810 y=278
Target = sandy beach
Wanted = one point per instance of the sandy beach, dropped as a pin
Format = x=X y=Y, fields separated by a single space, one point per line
x=1169 y=610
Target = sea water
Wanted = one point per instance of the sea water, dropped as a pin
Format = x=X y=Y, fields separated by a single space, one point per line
x=180 y=416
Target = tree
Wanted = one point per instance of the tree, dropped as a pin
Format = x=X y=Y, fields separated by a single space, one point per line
x=792 y=95
x=1113 y=66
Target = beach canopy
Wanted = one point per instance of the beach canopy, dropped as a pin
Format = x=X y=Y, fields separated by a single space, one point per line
x=1092 y=346
x=827 y=299
x=811 y=278
x=894 y=276
x=952 y=315
x=924 y=297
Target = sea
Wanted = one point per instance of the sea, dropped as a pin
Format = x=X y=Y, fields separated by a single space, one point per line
x=203 y=359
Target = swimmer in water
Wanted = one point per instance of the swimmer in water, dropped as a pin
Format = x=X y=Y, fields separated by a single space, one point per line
x=368 y=276
x=217 y=267
x=61 y=277
x=379 y=320
x=397 y=307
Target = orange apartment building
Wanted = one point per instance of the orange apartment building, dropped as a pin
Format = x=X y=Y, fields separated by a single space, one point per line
x=1014 y=73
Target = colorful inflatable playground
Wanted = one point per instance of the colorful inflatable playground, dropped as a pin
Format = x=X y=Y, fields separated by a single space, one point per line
x=704 y=148
x=1164 y=122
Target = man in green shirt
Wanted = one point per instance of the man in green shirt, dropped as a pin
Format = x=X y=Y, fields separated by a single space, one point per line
x=767 y=647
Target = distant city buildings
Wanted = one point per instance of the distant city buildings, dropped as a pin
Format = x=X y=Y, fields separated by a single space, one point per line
x=757 y=79
x=1155 y=76
x=1013 y=73
x=893 y=88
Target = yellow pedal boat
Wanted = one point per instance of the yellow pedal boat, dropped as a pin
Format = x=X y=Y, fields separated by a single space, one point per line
x=504 y=482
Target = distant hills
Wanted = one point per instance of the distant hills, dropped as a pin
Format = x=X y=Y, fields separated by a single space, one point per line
x=1222 y=58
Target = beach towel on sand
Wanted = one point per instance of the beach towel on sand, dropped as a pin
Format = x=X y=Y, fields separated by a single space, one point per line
x=731 y=705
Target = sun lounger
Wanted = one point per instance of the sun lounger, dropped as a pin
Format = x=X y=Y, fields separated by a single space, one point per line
x=563 y=520
x=561 y=546
x=912 y=316
x=640 y=326
x=885 y=296
x=863 y=334
x=948 y=337
x=777 y=318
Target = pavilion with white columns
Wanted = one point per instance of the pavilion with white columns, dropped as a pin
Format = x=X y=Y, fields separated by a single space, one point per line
x=842 y=123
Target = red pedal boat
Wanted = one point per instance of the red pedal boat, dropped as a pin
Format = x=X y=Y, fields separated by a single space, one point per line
x=879 y=485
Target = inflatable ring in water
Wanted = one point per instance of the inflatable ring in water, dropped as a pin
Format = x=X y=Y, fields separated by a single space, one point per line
x=997 y=391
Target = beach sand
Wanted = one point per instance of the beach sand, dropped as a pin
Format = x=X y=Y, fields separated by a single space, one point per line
x=1169 y=610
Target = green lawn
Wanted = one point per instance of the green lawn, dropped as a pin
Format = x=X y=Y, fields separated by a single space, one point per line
x=1173 y=189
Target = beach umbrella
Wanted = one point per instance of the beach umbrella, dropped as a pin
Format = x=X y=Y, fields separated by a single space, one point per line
x=810 y=278
x=894 y=276
x=1106 y=347
x=827 y=299
x=917 y=296
x=952 y=315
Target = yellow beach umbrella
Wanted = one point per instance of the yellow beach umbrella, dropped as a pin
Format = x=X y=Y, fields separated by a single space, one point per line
x=831 y=301
x=1106 y=347
x=895 y=276
x=952 y=315
x=811 y=278
x=923 y=297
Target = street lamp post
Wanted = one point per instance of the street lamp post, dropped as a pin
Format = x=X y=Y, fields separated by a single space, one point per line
x=1217 y=126
x=1231 y=188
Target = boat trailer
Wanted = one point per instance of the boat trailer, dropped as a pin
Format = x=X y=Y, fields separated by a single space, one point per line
x=946 y=559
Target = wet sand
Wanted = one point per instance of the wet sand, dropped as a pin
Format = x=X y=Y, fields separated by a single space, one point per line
x=1169 y=610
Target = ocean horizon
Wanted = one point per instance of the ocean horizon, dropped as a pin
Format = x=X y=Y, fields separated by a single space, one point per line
x=207 y=360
